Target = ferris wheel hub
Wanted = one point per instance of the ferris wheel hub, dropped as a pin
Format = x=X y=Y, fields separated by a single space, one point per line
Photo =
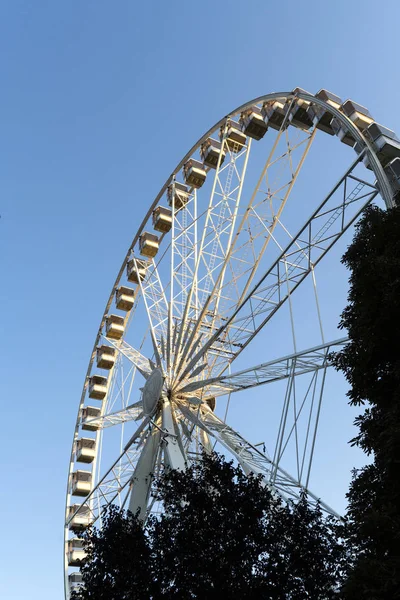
x=152 y=391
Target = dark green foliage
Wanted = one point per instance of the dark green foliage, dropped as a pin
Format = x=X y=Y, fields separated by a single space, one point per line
x=371 y=363
x=222 y=535
x=118 y=558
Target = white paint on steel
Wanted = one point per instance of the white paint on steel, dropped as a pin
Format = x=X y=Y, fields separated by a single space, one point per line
x=171 y=421
x=152 y=391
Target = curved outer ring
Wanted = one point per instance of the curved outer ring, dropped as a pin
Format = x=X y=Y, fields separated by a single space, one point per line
x=384 y=186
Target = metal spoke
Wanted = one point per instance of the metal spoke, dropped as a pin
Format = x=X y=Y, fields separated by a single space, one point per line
x=156 y=304
x=215 y=242
x=133 y=412
x=144 y=365
x=251 y=239
x=325 y=227
x=250 y=457
x=295 y=364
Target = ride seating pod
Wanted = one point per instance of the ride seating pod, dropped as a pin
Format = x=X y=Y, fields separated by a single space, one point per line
x=85 y=450
x=178 y=195
x=356 y=113
x=252 y=123
x=115 y=327
x=89 y=413
x=194 y=173
x=210 y=151
x=298 y=115
x=124 y=298
x=105 y=357
x=392 y=171
x=342 y=132
x=81 y=519
x=75 y=581
x=148 y=244
x=320 y=116
x=162 y=219
x=97 y=387
x=81 y=483
x=384 y=142
x=75 y=552
x=234 y=137
x=136 y=270
x=273 y=113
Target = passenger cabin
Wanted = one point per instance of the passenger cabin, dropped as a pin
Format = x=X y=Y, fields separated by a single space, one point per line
x=85 y=450
x=384 y=141
x=297 y=109
x=114 y=327
x=89 y=413
x=124 y=298
x=234 y=137
x=162 y=219
x=105 y=357
x=320 y=116
x=97 y=387
x=148 y=244
x=178 y=195
x=252 y=123
x=136 y=270
x=392 y=171
x=211 y=152
x=211 y=403
x=81 y=483
x=75 y=552
x=342 y=132
x=81 y=519
x=358 y=114
x=194 y=173
x=273 y=113
x=75 y=581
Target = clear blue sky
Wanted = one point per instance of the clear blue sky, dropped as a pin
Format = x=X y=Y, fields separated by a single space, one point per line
x=79 y=165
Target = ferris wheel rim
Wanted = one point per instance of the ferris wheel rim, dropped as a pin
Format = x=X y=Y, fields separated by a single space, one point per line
x=385 y=188
x=377 y=168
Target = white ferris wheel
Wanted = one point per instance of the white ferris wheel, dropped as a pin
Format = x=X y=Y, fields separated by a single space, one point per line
x=216 y=308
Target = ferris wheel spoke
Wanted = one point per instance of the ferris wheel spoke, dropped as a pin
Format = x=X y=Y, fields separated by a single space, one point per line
x=156 y=304
x=333 y=217
x=213 y=248
x=144 y=365
x=221 y=215
x=253 y=234
x=295 y=364
x=249 y=456
x=262 y=215
x=134 y=412
x=183 y=252
x=261 y=221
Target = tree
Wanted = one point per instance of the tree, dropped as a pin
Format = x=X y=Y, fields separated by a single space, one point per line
x=221 y=534
x=371 y=364
x=118 y=559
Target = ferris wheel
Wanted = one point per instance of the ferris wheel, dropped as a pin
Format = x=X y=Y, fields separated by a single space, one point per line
x=218 y=300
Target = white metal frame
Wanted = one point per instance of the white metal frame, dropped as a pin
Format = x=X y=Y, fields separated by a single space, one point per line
x=218 y=297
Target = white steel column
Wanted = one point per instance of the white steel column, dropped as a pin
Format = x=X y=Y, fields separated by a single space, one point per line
x=143 y=474
x=173 y=449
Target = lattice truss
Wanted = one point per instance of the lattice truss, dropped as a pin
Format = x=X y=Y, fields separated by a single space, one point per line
x=227 y=268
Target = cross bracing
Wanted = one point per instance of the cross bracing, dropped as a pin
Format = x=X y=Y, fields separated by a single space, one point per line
x=230 y=257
